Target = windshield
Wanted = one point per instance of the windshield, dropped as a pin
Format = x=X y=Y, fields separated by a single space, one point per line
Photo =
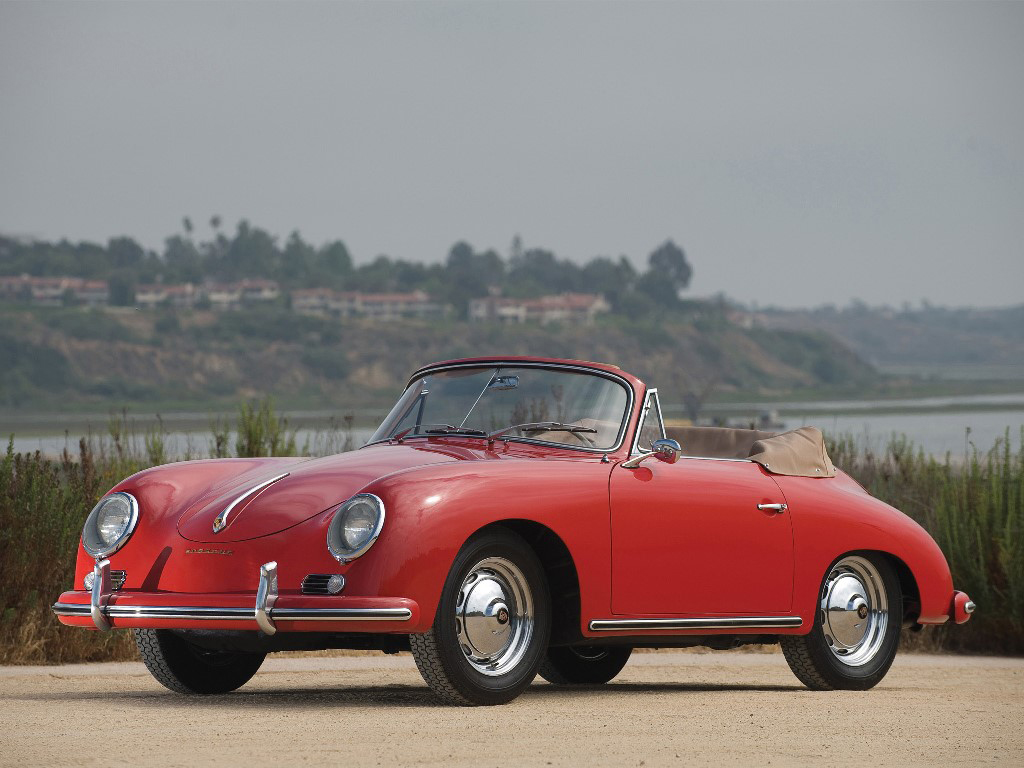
x=577 y=409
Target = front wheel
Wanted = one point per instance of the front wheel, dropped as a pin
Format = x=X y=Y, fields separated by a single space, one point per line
x=856 y=627
x=585 y=665
x=188 y=668
x=492 y=624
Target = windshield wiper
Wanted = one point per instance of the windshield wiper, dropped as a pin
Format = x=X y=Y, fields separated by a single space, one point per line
x=540 y=426
x=448 y=429
x=435 y=429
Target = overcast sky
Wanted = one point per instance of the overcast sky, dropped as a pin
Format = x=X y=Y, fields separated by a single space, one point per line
x=801 y=153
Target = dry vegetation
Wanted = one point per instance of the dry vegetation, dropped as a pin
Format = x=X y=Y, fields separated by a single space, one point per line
x=974 y=509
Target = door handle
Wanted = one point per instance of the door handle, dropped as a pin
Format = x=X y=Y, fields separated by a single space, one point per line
x=779 y=508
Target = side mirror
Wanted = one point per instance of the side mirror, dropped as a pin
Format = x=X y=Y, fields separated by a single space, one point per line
x=665 y=449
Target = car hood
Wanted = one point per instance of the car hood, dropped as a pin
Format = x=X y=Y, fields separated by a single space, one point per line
x=303 y=488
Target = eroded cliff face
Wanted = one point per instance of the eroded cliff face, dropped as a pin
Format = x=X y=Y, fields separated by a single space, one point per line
x=131 y=356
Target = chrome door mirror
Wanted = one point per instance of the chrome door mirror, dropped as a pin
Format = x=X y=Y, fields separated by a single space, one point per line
x=665 y=449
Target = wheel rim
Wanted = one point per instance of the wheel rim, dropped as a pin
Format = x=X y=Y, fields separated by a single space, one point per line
x=494 y=616
x=854 y=611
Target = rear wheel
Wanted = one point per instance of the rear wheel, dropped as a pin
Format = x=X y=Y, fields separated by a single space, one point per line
x=492 y=624
x=583 y=666
x=188 y=668
x=856 y=627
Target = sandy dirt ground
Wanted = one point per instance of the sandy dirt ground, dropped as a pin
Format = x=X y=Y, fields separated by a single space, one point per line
x=664 y=709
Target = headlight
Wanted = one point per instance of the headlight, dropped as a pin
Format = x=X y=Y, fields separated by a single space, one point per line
x=356 y=525
x=110 y=524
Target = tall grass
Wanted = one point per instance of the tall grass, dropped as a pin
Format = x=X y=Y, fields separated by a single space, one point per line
x=44 y=502
x=973 y=507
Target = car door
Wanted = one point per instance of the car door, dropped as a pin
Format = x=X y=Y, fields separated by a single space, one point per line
x=688 y=539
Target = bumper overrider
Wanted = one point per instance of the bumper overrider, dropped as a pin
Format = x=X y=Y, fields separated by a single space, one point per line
x=963 y=607
x=269 y=612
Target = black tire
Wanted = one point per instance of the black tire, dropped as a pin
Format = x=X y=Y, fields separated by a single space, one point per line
x=494 y=656
x=591 y=665
x=823 y=662
x=187 y=668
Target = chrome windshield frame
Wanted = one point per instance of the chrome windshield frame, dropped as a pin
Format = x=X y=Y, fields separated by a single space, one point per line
x=627 y=414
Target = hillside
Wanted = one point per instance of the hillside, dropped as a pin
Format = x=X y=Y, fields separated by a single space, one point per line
x=939 y=341
x=85 y=359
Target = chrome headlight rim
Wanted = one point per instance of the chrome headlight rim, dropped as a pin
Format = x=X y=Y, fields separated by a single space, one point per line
x=122 y=539
x=344 y=556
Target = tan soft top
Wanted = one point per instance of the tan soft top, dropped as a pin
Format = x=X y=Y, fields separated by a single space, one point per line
x=798 y=452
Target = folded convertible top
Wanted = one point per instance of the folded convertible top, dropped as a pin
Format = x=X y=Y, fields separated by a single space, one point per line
x=798 y=452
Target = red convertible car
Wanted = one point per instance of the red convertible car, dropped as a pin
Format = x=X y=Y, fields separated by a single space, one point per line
x=512 y=516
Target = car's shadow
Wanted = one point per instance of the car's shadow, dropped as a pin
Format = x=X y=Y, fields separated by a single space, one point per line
x=378 y=696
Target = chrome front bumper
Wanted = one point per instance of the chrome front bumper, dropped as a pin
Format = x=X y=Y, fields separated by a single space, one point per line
x=264 y=614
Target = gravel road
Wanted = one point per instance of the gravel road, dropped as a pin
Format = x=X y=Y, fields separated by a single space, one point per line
x=673 y=708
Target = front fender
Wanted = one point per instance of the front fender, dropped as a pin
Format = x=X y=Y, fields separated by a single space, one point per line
x=432 y=512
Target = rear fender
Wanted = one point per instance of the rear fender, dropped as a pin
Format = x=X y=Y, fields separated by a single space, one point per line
x=835 y=516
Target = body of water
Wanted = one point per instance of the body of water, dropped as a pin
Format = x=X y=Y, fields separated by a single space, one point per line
x=937 y=431
x=198 y=444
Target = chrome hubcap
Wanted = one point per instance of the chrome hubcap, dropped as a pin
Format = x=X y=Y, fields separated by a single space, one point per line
x=494 y=616
x=854 y=611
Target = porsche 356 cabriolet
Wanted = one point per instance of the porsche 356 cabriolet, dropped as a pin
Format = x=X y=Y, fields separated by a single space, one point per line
x=511 y=517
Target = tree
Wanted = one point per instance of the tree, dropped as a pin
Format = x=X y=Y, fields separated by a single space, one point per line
x=611 y=279
x=299 y=259
x=670 y=261
x=252 y=253
x=125 y=253
x=182 y=261
x=122 y=289
x=538 y=272
x=668 y=273
x=333 y=263
x=469 y=275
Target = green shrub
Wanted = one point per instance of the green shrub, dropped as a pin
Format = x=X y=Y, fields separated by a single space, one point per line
x=974 y=509
x=261 y=433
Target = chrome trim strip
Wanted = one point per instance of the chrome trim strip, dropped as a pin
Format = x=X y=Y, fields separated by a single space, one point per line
x=266 y=596
x=343 y=614
x=194 y=613
x=221 y=521
x=718 y=622
x=99 y=595
x=191 y=613
x=652 y=394
x=504 y=363
x=212 y=613
x=715 y=458
x=70 y=609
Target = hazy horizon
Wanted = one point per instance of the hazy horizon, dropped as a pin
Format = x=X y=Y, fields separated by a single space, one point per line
x=802 y=154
